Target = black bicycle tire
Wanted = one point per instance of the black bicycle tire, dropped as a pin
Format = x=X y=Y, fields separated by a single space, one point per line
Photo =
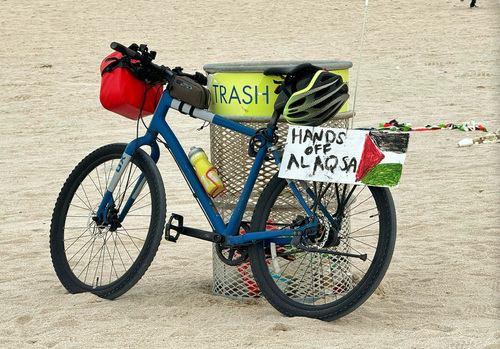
x=153 y=237
x=358 y=295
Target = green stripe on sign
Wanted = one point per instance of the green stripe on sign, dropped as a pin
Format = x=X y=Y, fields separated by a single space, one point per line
x=383 y=175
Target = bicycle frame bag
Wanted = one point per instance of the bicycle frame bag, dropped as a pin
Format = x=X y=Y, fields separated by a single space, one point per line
x=189 y=91
x=122 y=90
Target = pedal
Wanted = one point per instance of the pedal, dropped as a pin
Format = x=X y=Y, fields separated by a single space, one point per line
x=177 y=228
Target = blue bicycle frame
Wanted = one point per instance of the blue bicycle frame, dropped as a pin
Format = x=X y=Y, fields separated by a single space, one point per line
x=159 y=126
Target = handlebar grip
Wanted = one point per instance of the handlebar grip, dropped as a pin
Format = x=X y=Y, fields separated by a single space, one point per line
x=124 y=50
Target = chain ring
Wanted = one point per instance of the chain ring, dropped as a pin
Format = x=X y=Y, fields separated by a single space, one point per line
x=233 y=255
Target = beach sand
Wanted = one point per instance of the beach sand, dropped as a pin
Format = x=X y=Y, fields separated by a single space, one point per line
x=425 y=62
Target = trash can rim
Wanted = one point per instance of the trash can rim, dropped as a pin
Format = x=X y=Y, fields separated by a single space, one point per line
x=260 y=66
x=262 y=119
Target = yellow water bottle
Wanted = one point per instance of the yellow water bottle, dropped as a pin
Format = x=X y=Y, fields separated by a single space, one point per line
x=207 y=173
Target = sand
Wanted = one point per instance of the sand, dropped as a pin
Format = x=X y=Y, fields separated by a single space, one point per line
x=424 y=62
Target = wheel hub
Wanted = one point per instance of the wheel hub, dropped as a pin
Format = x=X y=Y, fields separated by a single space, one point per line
x=96 y=231
x=326 y=235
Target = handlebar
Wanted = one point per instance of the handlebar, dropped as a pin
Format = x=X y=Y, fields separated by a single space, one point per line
x=143 y=55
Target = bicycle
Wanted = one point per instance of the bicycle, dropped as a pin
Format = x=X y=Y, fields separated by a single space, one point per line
x=316 y=249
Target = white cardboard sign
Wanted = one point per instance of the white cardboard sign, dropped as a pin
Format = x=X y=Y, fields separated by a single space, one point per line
x=344 y=156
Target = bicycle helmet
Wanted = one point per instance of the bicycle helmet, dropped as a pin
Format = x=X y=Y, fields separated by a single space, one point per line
x=314 y=98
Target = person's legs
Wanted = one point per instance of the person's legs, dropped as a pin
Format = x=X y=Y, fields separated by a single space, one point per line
x=473 y=3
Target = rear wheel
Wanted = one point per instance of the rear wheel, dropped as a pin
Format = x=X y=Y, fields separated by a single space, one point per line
x=346 y=259
x=107 y=259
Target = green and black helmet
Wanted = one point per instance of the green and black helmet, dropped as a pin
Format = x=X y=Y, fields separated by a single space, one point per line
x=314 y=98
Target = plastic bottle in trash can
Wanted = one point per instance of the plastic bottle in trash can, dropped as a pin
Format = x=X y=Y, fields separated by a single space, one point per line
x=207 y=173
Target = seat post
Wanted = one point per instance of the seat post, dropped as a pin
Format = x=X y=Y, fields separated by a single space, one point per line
x=273 y=122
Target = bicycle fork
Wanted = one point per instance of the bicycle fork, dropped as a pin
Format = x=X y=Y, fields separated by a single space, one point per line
x=107 y=213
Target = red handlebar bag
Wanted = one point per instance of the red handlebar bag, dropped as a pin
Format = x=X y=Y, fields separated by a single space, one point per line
x=122 y=92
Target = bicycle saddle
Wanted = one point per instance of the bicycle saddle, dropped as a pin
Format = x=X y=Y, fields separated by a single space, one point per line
x=291 y=74
x=288 y=69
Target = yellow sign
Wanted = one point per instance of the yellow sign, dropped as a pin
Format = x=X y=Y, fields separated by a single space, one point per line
x=247 y=94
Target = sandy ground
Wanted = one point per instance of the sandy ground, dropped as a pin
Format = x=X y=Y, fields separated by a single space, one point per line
x=424 y=62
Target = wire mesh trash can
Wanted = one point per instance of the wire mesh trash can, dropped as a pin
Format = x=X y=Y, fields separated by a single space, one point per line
x=241 y=92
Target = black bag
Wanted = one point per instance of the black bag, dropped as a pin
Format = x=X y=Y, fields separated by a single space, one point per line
x=189 y=91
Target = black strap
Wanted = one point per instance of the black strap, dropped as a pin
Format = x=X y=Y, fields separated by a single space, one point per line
x=190 y=112
x=135 y=67
x=114 y=63
x=181 y=105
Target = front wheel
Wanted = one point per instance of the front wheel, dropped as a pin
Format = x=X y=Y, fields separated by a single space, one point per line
x=359 y=231
x=107 y=259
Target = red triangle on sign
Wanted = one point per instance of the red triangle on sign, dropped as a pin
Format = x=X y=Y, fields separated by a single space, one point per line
x=370 y=158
